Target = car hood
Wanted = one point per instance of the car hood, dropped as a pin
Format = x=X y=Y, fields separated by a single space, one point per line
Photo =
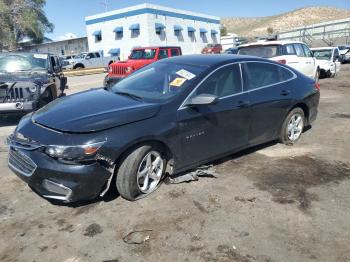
x=131 y=62
x=92 y=111
x=38 y=78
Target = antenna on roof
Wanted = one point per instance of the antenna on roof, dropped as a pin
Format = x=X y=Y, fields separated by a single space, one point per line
x=105 y=4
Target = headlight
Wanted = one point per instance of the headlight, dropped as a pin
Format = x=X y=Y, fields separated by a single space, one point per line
x=32 y=89
x=129 y=69
x=73 y=152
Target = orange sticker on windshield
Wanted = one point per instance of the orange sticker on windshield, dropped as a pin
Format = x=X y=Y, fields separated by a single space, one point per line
x=178 y=82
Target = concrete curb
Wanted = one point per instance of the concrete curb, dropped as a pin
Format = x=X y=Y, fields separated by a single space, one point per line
x=82 y=72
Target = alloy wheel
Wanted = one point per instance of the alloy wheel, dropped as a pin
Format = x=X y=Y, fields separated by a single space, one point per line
x=295 y=127
x=150 y=172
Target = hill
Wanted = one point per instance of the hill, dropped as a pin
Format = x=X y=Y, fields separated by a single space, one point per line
x=257 y=26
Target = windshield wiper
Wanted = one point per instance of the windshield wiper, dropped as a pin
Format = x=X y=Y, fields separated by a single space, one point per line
x=135 y=97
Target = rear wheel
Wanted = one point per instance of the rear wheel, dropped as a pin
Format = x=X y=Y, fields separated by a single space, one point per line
x=141 y=172
x=293 y=126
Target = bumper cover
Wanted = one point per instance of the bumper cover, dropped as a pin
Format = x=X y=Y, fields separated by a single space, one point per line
x=56 y=180
x=19 y=107
x=111 y=80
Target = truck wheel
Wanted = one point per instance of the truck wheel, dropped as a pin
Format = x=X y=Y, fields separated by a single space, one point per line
x=141 y=172
x=79 y=66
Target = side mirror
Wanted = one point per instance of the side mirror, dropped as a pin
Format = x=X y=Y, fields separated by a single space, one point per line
x=203 y=99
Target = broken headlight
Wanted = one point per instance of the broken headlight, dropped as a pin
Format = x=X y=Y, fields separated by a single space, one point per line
x=80 y=152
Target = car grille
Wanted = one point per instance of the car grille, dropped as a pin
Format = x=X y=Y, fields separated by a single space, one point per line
x=13 y=95
x=118 y=70
x=20 y=162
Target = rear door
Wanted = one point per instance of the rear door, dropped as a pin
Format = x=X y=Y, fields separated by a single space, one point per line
x=270 y=94
x=210 y=130
x=304 y=62
x=291 y=57
x=310 y=61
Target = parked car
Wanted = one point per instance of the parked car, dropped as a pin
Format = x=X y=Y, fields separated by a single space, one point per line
x=91 y=60
x=344 y=53
x=139 y=57
x=28 y=81
x=328 y=60
x=232 y=51
x=67 y=61
x=170 y=116
x=212 y=49
x=295 y=54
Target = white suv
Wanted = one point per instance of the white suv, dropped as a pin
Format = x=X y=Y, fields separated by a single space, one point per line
x=294 y=54
x=328 y=60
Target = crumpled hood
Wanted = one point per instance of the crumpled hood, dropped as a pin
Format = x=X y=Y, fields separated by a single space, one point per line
x=92 y=111
x=33 y=77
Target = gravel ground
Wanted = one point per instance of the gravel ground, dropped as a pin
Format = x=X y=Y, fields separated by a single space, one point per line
x=268 y=203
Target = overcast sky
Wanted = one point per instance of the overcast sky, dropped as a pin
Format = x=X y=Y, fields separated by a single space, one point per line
x=68 y=15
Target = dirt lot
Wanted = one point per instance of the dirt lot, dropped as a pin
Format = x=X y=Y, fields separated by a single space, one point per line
x=270 y=203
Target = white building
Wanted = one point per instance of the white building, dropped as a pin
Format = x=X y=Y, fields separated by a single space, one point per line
x=150 y=25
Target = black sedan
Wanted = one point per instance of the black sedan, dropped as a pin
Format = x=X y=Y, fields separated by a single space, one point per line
x=168 y=117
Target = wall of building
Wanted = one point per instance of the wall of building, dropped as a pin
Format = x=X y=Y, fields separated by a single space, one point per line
x=65 y=47
x=147 y=15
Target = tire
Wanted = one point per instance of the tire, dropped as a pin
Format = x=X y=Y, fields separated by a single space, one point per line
x=46 y=98
x=78 y=67
x=133 y=172
x=317 y=75
x=288 y=128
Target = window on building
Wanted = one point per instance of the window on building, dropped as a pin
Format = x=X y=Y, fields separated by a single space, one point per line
x=135 y=33
x=98 y=38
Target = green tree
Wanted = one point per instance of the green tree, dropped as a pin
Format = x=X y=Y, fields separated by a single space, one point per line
x=270 y=30
x=22 y=18
x=223 y=30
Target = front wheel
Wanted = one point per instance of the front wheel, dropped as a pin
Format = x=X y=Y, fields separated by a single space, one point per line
x=141 y=172
x=293 y=126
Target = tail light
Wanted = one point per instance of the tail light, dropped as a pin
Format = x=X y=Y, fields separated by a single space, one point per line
x=282 y=61
x=317 y=86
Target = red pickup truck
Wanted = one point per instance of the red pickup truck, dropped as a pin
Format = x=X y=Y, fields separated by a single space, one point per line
x=138 y=58
x=212 y=49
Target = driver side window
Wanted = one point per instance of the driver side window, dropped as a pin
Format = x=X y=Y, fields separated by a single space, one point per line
x=224 y=82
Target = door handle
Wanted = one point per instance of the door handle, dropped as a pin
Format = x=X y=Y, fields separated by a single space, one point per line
x=285 y=92
x=243 y=103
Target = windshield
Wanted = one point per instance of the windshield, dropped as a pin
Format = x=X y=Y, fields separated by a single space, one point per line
x=13 y=62
x=322 y=54
x=159 y=81
x=265 y=51
x=80 y=56
x=143 y=54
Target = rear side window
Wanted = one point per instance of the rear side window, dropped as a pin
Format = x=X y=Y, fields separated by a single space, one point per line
x=224 y=82
x=289 y=50
x=175 y=52
x=97 y=54
x=265 y=51
x=264 y=74
x=299 y=50
x=163 y=53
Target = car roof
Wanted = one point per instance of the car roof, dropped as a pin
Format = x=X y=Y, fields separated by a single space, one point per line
x=281 y=42
x=212 y=60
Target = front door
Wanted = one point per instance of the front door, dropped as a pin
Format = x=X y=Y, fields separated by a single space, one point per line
x=210 y=130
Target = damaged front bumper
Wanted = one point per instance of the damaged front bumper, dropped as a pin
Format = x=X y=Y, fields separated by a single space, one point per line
x=54 y=179
x=17 y=107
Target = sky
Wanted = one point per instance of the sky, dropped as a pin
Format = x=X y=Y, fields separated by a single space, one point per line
x=68 y=16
